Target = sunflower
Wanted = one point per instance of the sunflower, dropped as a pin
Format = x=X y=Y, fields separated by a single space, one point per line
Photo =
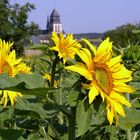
x=12 y=66
x=106 y=76
x=65 y=46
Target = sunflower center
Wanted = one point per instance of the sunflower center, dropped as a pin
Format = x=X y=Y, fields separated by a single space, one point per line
x=103 y=78
x=63 y=48
x=66 y=51
x=5 y=68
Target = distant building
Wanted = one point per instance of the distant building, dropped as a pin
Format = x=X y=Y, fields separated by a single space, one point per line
x=53 y=25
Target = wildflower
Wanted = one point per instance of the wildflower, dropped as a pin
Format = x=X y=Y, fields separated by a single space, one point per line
x=65 y=46
x=12 y=66
x=106 y=76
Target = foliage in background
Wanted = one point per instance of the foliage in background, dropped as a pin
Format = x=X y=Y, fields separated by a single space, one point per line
x=123 y=34
x=14 y=26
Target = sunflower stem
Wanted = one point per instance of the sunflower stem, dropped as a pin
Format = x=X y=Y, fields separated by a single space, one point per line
x=112 y=133
x=62 y=109
x=128 y=97
x=129 y=134
x=135 y=135
x=53 y=71
x=61 y=116
x=53 y=74
x=72 y=124
x=128 y=131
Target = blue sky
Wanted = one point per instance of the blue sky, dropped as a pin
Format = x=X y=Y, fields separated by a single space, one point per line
x=83 y=16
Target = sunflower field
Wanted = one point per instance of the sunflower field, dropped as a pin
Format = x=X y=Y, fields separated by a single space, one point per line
x=72 y=91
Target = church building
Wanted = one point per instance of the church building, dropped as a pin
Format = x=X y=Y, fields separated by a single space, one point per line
x=53 y=25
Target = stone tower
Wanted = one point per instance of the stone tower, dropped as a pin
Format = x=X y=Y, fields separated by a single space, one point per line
x=53 y=23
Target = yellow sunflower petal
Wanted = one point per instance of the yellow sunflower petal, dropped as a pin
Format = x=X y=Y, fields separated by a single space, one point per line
x=66 y=47
x=54 y=48
x=109 y=115
x=93 y=92
x=88 y=54
x=114 y=61
x=55 y=38
x=88 y=86
x=64 y=60
x=47 y=76
x=120 y=98
x=122 y=87
x=103 y=95
x=85 y=56
x=115 y=64
x=123 y=79
x=12 y=96
x=123 y=73
x=62 y=38
x=11 y=65
x=104 y=52
x=115 y=116
x=5 y=98
x=11 y=59
x=23 y=68
x=81 y=69
x=118 y=107
x=92 y=47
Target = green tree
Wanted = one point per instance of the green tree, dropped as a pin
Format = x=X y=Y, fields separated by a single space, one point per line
x=14 y=26
x=123 y=34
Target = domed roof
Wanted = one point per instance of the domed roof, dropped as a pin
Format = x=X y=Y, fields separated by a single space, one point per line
x=54 y=13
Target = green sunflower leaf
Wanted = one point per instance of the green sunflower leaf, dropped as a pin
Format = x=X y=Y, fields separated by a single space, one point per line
x=84 y=115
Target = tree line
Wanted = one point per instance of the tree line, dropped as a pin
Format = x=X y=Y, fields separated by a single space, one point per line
x=124 y=34
x=14 y=26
